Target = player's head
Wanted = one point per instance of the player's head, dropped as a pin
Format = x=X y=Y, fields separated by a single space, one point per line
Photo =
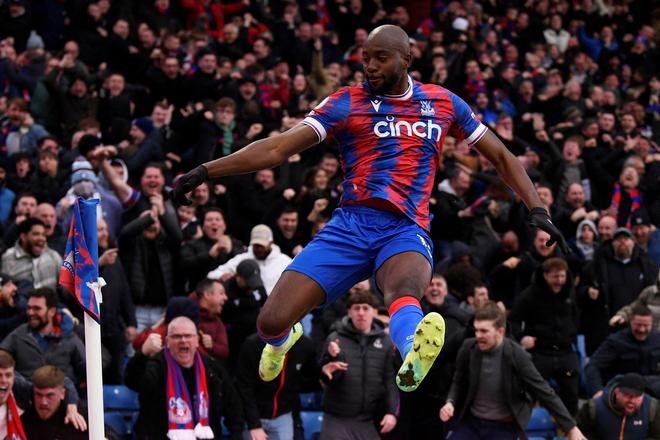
x=386 y=58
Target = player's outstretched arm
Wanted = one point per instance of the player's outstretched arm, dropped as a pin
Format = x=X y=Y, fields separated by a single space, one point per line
x=264 y=153
x=512 y=172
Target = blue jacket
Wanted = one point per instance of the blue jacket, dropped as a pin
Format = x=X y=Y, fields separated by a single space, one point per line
x=600 y=419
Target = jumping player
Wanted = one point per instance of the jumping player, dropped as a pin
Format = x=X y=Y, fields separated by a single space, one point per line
x=390 y=130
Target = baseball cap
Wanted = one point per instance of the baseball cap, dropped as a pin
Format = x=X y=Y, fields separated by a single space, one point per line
x=623 y=231
x=639 y=218
x=261 y=235
x=249 y=270
x=632 y=383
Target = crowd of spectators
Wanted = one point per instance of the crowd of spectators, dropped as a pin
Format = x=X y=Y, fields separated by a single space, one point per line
x=113 y=99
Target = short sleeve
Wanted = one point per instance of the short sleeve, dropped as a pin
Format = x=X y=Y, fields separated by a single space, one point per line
x=333 y=110
x=466 y=125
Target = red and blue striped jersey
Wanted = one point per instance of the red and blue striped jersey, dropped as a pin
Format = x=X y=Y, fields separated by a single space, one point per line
x=390 y=146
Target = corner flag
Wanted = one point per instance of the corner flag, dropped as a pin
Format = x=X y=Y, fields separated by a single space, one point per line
x=79 y=272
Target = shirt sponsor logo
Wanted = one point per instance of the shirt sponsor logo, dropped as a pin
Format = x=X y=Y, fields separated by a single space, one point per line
x=393 y=128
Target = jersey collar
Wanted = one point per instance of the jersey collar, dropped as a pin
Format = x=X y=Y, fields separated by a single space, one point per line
x=402 y=97
x=405 y=95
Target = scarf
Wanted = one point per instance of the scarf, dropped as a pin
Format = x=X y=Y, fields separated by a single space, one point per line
x=179 y=404
x=14 y=426
x=634 y=197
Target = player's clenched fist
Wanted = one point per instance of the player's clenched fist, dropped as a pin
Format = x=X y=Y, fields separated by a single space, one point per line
x=191 y=180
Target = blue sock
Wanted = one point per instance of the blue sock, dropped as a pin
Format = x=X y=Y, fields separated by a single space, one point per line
x=275 y=341
x=405 y=314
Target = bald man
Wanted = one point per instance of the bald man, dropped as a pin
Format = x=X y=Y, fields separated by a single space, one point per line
x=390 y=130
x=182 y=392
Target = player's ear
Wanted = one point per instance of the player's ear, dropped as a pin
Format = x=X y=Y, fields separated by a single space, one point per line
x=407 y=59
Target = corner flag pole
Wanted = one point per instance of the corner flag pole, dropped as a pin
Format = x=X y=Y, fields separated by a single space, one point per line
x=94 y=378
x=80 y=276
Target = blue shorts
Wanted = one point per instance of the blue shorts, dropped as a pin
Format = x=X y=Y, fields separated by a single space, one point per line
x=354 y=244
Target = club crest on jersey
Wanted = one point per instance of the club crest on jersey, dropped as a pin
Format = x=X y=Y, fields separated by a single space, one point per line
x=427 y=108
x=392 y=128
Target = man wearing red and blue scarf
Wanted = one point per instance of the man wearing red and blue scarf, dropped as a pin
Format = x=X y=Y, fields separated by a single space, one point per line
x=183 y=394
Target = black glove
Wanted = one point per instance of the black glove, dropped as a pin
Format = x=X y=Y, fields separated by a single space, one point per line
x=539 y=218
x=189 y=181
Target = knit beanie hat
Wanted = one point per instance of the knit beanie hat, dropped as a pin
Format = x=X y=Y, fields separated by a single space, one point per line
x=35 y=41
x=145 y=124
x=81 y=170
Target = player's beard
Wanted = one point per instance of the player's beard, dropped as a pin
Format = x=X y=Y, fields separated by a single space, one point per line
x=387 y=85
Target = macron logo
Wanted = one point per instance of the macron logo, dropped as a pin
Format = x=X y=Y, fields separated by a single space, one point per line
x=375 y=103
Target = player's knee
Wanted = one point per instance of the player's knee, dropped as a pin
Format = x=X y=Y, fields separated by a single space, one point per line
x=403 y=288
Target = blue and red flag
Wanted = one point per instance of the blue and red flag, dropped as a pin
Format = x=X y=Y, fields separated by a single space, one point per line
x=79 y=272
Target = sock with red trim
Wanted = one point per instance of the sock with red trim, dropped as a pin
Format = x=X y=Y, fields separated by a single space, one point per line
x=405 y=314
x=276 y=341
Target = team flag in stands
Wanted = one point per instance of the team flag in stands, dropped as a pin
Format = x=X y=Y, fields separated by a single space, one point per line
x=79 y=272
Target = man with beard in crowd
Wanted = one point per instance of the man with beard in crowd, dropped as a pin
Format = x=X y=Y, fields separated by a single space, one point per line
x=31 y=259
x=620 y=270
x=47 y=338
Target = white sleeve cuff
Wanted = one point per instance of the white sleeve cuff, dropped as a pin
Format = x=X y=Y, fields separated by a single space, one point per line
x=316 y=125
x=477 y=134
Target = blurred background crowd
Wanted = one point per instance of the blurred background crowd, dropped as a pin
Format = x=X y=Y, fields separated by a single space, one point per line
x=114 y=99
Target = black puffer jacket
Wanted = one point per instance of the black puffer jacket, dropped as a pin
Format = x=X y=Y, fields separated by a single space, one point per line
x=134 y=254
x=368 y=384
x=551 y=318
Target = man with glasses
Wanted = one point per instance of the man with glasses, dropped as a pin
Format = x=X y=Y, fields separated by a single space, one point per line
x=182 y=392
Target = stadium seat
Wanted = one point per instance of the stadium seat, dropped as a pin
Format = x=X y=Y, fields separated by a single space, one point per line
x=120 y=398
x=540 y=424
x=583 y=359
x=121 y=422
x=116 y=421
x=311 y=401
x=307 y=324
x=121 y=407
x=225 y=431
x=311 y=421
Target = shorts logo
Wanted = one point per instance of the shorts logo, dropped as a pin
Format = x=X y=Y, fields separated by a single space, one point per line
x=427 y=108
x=426 y=245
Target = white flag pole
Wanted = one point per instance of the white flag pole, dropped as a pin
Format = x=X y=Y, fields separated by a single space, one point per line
x=94 y=379
x=94 y=368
